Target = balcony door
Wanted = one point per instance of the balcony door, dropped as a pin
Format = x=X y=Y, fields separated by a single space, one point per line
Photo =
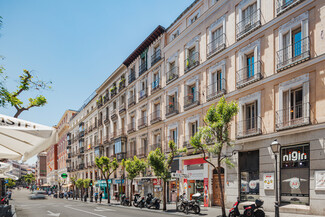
x=216 y=38
x=250 y=65
x=292 y=106
x=251 y=117
x=296 y=43
x=248 y=15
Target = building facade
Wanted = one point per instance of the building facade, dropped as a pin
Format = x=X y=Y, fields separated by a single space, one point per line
x=266 y=55
x=41 y=169
x=52 y=165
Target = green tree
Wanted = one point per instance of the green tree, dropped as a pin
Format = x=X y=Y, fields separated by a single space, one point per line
x=73 y=182
x=26 y=83
x=11 y=183
x=79 y=185
x=107 y=167
x=134 y=167
x=86 y=184
x=29 y=178
x=161 y=166
x=213 y=138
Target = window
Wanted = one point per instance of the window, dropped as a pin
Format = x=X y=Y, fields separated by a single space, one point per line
x=174 y=34
x=251 y=111
x=192 y=20
x=250 y=65
x=248 y=15
x=193 y=128
x=248 y=18
x=292 y=103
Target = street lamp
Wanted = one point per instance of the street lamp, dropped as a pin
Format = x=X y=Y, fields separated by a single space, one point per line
x=275 y=146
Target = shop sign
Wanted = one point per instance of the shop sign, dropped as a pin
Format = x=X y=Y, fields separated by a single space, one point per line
x=268 y=179
x=185 y=187
x=206 y=193
x=294 y=156
x=118 y=181
x=157 y=182
x=104 y=181
x=320 y=180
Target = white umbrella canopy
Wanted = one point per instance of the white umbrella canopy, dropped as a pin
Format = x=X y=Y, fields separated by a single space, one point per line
x=21 y=140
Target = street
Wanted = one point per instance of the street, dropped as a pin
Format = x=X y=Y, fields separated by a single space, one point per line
x=64 y=208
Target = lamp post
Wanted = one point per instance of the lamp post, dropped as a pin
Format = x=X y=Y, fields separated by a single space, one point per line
x=275 y=146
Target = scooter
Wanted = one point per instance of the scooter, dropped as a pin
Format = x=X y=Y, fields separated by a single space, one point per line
x=136 y=200
x=183 y=200
x=193 y=204
x=124 y=200
x=253 y=210
x=142 y=202
x=152 y=202
x=4 y=200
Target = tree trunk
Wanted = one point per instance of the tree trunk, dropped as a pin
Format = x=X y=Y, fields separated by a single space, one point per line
x=131 y=192
x=19 y=111
x=82 y=194
x=164 y=195
x=107 y=191
x=221 y=189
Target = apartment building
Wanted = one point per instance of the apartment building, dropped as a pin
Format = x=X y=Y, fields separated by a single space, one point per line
x=52 y=165
x=266 y=55
x=41 y=169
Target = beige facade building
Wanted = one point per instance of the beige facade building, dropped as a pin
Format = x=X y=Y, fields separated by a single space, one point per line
x=266 y=55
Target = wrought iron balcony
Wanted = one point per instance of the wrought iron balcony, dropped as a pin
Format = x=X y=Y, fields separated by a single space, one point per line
x=284 y=5
x=293 y=54
x=155 y=85
x=121 y=156
x=153 y=147
x=132 y=77
x=143 y=94
x=69 y=155
x=192 y=61
x=99 y=103
x=294 y=116
x=81 y=150
x=216 y=89
x=113 y=114
x=122 y=108
x=131 y=100
x=155 y=57
x=113 y=91
x=191 y=100
x=131 y=127
x=155 y=116
x=121 y=85
x=81 y=166
x=248 y=24
x=216 y=45
x=249 y=127
x=172 y=109
x=172 y=75
x=143 y=122
x=68 y=160
x=68 y=169
x=81 y=134
x=249 y=74
x=142 y=68
x=106 y=121
x=69 y=141
x=106 y=98
x=187 y=144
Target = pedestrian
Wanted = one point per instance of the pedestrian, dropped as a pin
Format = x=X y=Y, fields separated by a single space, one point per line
x=96 y=196
x=9 y=194
x=100 y=196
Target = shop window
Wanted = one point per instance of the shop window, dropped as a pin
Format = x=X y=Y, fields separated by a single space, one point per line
x=249 y=175
x=295 y=174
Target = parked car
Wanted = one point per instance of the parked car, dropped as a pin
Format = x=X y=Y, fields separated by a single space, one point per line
x=37 y=195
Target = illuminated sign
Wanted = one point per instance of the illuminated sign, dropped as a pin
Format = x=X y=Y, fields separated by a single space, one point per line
x=295 y=156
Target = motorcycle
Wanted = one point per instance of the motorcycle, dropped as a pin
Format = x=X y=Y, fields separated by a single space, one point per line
x=142 y=202
x=4 y=200
x=124 y=200
x=253 y=210
x=181 y=206
x=136 y=200
x=152 y=202
x=193 y=204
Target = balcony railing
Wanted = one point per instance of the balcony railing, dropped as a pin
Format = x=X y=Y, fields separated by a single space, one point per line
x=249 y=74
x=284 y=5
x=114 y=135
x=143 y=94
x=113 y=114
x=170 y=138
x=81 y=150
x=191 y=62
x=121 y=156
x=155 y=116
x=113 y=91
x=122 y=108
x=69 y=141
x=216 y=89
x=142 y=68
x=155 y=146
x=155 y=57
x=172 y=75
x=191 y=100
x=99 y=103
x=106 y=121
x=81 y=166
x=132 y=77
x=81 y=133
x=131 y=100
x=294 y=116
x=131 y=127
x=249 y=127
x=142 y=152
x=187 y=144
x=293 y=54
x=217 y=45
x=172 y=109
x=69 y=155
x=106 y=98
x=68 y=169
x=143 y=122
x=121 y=85
x=248 y=24
x=155 y=85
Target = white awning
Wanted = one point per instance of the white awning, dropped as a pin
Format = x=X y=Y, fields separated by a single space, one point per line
x=21 y=140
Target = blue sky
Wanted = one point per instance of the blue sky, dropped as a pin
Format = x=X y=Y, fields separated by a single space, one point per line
x=76 y=44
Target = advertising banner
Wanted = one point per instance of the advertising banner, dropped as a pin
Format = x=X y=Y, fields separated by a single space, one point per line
x=206 y=192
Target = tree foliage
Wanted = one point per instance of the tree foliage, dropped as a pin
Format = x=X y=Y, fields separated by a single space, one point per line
x=26 y=83
x=107 y=168
x=212 y=138
x=161 y=166
x=29 y=178
x=11 y=183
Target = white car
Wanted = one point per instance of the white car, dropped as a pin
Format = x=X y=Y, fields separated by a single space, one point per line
x=37 y=195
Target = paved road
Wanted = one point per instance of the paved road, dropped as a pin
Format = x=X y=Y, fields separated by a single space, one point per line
x=64 y=208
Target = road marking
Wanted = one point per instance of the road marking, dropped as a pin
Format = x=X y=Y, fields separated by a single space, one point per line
x=100 y=209
x=69 y=206
x=53 y=214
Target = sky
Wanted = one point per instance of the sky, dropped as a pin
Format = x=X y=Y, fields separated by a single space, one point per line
x=75 y=44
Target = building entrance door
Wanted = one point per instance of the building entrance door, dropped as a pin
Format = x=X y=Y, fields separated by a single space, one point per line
x=216 y=187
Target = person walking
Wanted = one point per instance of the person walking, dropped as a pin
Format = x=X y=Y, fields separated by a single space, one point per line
x=96 y=196
x=100 y=197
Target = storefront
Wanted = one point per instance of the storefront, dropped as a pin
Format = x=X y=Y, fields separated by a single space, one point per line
x=294 y=185
x=118 y=188
x=101 y=185
x=173 y=184
x=249 y=175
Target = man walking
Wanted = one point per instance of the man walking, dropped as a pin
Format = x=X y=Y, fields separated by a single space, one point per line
x=96 y=196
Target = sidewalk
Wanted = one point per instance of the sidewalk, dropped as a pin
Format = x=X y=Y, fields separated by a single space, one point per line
x=207 y=211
